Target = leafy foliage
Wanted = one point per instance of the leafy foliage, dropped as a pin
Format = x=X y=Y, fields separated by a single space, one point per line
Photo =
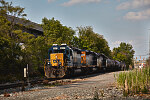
x=55 y=32
x=124 y=53
x=17 y=48
x=10 y=50
x=92 y=41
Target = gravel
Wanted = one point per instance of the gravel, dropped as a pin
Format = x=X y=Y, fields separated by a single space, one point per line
x=97 y=86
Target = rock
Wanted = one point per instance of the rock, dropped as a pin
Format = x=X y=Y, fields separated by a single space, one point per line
x=2 y=95
x=59 y=81
x=6 y=95
x=45 y=81
x=51 y=82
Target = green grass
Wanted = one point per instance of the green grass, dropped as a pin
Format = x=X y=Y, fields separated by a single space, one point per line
x=135 y=81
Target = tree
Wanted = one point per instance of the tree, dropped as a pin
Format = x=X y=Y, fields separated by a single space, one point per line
x=13 y=57
x=10 y=49
x=124 y=53
x=92 y=41
x=34 y=50
x=55 y=32
x=75 y=41
x=8 y=11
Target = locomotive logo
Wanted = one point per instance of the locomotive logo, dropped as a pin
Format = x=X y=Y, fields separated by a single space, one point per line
x=56 y=61
x=56 y=58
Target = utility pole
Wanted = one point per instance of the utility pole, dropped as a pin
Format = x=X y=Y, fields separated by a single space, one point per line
x=28 y=76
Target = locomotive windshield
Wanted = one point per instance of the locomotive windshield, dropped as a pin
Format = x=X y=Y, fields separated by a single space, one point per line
x=55 y=50
x=62 y=50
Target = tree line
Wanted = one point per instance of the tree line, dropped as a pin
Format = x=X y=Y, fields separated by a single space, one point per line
x=18 y=48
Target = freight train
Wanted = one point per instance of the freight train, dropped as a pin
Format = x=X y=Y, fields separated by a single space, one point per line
x=64 y=60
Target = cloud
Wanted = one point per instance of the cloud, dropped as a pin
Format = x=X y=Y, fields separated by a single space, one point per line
x=133 y=4
x=117 y=43
x=124 y=5
x=141 y=15
x=73 y=2
x=51 y=1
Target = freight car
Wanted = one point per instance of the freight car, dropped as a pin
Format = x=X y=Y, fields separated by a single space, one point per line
x=64 y=60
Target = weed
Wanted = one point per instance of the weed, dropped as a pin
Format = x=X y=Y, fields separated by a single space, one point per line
x=96 y=95
x=135 y=81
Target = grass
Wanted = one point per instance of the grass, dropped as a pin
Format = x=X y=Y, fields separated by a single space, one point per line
x=135 y=81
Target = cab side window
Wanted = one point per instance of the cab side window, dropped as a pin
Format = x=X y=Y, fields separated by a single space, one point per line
x=67 y=52
x=50 y=51
x=70 y=52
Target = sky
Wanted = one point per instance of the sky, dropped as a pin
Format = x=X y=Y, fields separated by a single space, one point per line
x=117 y=20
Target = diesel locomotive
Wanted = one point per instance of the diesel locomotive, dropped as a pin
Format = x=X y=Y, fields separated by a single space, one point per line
x=64 y=60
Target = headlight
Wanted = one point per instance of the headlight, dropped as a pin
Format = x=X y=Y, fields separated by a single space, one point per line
x=48 y=63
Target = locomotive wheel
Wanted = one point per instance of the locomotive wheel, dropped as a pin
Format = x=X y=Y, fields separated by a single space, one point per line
x=85 y=70
x=70 y=72
x=91 y=69
x=99 y=69
x=104 y=69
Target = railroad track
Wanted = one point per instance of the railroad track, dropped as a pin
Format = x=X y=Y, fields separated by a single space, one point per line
x=10 y=85
x=18 y=84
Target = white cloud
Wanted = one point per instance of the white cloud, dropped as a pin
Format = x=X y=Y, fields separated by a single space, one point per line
x=136 y=4
x=131 y=42
x=117 y=43
x=124 y=5
x=73 y=2
x=138 y=15
x=133 y=4
x=51 y=0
